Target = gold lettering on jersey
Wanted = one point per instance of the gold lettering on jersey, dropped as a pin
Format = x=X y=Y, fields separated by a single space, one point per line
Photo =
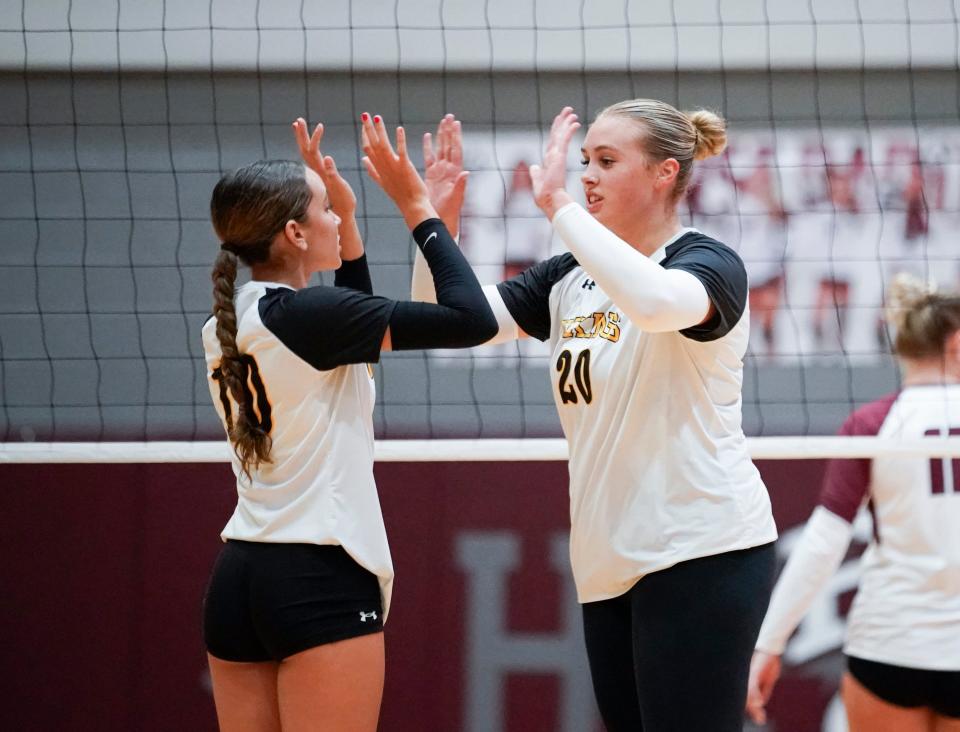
x=611 y=329
x=595 y=325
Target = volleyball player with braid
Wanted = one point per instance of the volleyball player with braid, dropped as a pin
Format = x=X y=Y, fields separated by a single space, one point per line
x=903 y=631
x=294 y=611
x=672 y=533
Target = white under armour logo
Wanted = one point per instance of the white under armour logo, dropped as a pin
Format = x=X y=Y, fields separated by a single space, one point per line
x=364 y=617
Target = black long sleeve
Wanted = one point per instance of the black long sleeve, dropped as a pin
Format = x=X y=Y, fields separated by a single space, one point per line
x=354 y=274
x=461 y=317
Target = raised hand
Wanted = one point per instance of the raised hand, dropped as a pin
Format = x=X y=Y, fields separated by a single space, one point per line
x=342 y=199
x=443 y=172
x=394 y=172
x=550 y=178
x=764 y=673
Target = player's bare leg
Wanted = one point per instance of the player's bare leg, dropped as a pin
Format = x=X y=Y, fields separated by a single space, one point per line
x=245 y=695
x=945 y=724
x=336 y=686
x=867 y=712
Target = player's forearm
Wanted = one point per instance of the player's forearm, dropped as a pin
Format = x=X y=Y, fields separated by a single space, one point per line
x=654 y=298
x=351 y=244
x=421 y=282
x=422 y=291
x=461 y=317
x=450 y=219
x=353 y=271
x=812 y=563
x=454 y=281
x=355 y=274
x=415 y=211
x=551 y=202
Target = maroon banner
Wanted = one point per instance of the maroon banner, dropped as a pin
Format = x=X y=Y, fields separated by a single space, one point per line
x=104 y=568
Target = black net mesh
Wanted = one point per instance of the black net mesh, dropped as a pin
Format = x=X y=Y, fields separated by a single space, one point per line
x=843 y=169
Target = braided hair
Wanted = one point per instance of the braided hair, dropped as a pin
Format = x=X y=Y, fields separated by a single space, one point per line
x=249 y=207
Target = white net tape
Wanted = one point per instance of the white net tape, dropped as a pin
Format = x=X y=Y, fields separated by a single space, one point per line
x=408 y=451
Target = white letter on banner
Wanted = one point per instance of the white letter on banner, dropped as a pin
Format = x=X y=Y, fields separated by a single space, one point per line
x=492 y=652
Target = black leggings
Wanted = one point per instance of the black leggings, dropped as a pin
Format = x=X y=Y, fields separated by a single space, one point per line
x=673 y=653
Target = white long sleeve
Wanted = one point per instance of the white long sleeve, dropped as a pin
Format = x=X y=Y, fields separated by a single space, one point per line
x=813 y=561
x=422 y=290
x=421 y=284
x=656 y=299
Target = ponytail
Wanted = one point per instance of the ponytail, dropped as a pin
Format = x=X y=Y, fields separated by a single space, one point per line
x=251 y=442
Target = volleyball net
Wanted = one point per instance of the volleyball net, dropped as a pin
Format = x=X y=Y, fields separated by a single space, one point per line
x=843 y=169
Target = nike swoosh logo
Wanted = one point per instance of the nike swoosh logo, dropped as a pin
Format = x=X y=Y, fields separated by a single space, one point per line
x=427 y=240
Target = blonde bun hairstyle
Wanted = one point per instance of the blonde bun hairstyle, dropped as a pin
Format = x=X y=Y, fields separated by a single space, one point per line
x=921 y=317
x=667 y=132
x=711 y=132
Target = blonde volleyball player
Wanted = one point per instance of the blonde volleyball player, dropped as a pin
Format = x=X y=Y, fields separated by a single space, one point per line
x=903 y=632
x=294 y=611
x=672 y=534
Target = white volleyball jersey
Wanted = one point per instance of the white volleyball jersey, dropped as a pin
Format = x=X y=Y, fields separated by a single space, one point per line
x=659 y=469
x=308 y=353
x=907 y=610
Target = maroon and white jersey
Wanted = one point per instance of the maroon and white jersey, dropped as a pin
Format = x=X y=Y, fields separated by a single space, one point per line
x=907 y=611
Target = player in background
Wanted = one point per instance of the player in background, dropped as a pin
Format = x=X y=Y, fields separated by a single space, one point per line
x=672 y=534
x=294 y=611
x=903 y=632
x=762 y=233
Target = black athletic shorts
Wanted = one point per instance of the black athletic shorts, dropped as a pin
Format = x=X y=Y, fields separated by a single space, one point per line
x=909 y=687
x=268 y=601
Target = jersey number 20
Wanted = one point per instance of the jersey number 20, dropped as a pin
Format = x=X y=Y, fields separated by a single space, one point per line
x=581 y=377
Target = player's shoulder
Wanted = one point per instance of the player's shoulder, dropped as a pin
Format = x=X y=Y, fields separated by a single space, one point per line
x=246 y=297
x=531 y=296
x=540 y=280
x=868 y=419
x=279 y=303
x=571 y=277
x=560 y=267
x=695 y=243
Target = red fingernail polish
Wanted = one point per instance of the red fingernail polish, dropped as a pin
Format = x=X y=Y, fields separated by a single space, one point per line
x=364 y=116
x=376 y=119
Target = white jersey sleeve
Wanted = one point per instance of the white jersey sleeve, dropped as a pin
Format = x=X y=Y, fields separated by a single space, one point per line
x=655 y=298
x=814 y=560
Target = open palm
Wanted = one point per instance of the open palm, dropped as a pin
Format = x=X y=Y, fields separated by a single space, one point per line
x=342 y=198
x=443 y=171
x=550 y=177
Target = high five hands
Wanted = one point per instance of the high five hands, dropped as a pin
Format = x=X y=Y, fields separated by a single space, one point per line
x=342 y=199
x=393 y=170
x=443 y=171
x=441 y=191
x=550 y=178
